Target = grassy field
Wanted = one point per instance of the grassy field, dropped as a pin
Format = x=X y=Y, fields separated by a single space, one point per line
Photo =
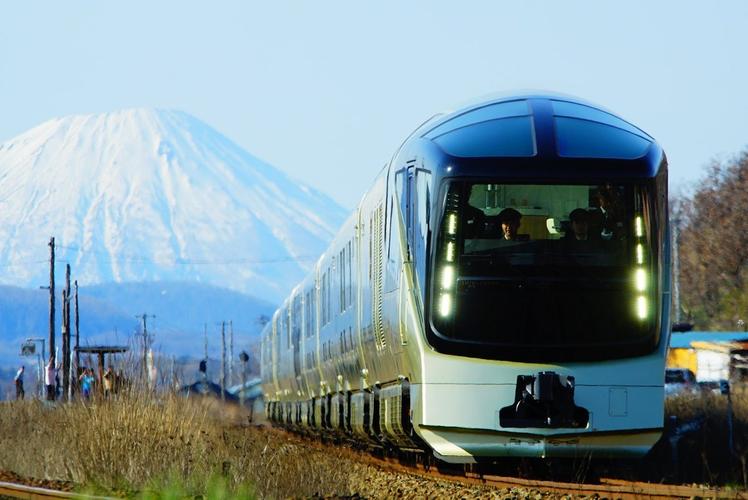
x=172 y=447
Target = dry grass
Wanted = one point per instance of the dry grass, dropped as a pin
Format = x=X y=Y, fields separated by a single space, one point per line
x=703 y=455
x=139 y=444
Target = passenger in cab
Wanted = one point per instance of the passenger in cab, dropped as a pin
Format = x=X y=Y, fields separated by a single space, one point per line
x=580 y=225
x=509 y=219
x=475 y=221
x=608 y=201
x=581 y=237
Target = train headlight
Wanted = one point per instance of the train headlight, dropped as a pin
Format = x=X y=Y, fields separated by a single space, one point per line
x=450 y=251
x=452 y=224
x=642 y=308
x=448 y=277
x=641 y=278
x=445 y=305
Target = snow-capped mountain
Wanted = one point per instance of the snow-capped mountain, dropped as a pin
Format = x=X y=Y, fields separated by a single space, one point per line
x=150 y=195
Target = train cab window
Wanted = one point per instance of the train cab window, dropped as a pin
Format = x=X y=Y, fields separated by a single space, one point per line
x=497 y=111
x=586 y=132
x=508 y=137
x=556 y=270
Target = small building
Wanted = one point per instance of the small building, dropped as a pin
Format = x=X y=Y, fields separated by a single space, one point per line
x=207 y=388
x=250 y=393
x=711 y=356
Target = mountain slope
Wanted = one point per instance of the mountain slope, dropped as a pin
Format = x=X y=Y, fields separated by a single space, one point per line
x=151 y=195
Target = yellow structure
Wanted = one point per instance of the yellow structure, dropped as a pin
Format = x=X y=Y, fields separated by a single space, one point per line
x=682 y=357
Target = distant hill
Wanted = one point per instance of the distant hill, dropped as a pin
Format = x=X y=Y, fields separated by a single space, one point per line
x=108 y=315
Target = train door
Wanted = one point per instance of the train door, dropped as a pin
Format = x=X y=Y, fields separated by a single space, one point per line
x=409 y=200
x=415 y=199
x=421 y=213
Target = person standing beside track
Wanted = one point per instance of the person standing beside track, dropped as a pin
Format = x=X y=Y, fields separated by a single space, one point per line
x=108 y=382
x=19 y=383
x=87 y=381
x=49 y=379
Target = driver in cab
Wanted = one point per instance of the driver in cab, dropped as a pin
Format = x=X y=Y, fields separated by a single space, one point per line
x=509 y=220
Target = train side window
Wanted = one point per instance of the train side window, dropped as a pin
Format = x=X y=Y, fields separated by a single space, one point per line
x=404 y=185
x=323 y=299
x=328 y=296
x=306 y=314
x=422 y=202
x=389 y=228
x=296 y=321
x=343 y=296
x=276 y=336
x=350 y=274
x=287 y=318
x=371 y=242
x=313 y=315
x=309 y=313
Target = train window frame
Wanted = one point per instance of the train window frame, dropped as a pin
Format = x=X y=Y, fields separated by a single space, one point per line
x=444 y=343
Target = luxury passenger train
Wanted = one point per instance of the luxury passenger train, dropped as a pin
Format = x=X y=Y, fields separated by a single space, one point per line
x=503 y=289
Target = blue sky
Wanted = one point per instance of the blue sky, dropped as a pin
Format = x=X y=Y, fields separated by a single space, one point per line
x=327 y=90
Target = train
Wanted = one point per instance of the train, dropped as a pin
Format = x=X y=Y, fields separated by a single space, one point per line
x=501 y=290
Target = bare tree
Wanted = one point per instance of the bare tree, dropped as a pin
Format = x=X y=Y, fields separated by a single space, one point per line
x=714 y=246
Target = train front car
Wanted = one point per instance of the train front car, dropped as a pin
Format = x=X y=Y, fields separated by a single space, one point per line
x=546 y=282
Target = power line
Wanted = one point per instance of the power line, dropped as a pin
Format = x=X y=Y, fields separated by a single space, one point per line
x=26 y=263
x=193 y=262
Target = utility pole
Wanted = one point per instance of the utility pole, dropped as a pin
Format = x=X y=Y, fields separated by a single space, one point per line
x=77 y=334
x=231 y=353
x=205 y=372
x=65 y=345
x=223 y=361
x=144 y=317
x=66 y=336
x=244 y=357
x=676 y=268
x=52 y=351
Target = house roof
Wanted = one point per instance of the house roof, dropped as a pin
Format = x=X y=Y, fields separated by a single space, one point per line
x=685 y=340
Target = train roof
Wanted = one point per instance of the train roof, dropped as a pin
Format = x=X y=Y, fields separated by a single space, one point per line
x=537 y=124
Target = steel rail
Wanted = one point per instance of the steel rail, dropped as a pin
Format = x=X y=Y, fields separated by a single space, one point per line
x=15 y=490
x=619 y=488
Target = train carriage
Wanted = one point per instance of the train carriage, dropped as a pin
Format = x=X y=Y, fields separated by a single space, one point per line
x=501 y=290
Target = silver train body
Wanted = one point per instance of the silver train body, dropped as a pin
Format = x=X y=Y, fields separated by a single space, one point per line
x=430 y=324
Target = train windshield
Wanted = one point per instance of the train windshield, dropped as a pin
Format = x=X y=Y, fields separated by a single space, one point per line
x=546 y=271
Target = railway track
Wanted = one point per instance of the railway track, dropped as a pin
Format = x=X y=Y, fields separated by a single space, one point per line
x=607 y=488
x=604 y=488
x=15 y=490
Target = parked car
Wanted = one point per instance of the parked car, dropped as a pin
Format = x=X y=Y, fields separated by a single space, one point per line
x=680 y=381
x=721 y=387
